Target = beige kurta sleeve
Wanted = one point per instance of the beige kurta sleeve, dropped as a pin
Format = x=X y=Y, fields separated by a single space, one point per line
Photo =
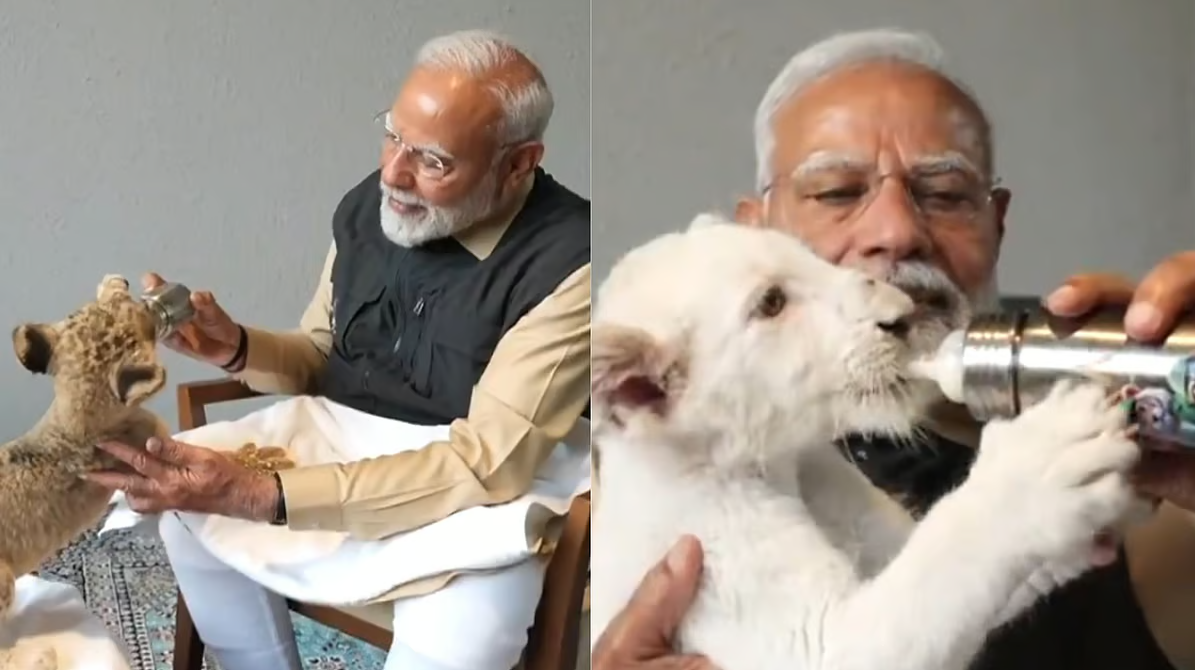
x=290 y=362
x=529 y=397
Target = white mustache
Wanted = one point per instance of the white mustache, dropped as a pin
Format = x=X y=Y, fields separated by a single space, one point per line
x=928 y=286
x=403 y=197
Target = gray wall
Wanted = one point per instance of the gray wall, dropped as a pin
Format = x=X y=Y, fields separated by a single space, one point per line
x=1092 y=102
x=212 y=140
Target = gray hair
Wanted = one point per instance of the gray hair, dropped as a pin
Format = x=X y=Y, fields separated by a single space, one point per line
x=839 y=52
x=527 y=104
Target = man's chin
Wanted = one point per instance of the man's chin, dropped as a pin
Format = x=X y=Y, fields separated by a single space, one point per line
x=408 y=233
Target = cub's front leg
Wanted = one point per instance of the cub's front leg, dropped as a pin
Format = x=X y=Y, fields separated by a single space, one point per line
x=8 y=590
x=1043 y=486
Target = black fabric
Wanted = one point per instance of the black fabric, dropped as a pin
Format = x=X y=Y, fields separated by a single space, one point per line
x=1093 y=623
x=413 y=329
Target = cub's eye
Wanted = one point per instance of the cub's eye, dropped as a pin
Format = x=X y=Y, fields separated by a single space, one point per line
x=771 y=303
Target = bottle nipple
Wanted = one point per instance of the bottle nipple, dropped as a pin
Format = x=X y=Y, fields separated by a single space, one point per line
x=944 y=366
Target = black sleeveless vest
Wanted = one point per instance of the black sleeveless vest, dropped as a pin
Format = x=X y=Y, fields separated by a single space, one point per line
x=413 y=329
x=1092 y=623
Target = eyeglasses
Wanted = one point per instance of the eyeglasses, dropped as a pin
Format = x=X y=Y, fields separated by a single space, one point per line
x=835 y=196
x=429 y=162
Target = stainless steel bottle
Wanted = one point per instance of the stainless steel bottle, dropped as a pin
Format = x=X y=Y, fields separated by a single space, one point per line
x=170 y=305
x=1011 y=359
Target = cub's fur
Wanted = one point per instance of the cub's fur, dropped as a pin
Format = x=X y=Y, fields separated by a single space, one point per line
x=726 y=361
x=104 y=363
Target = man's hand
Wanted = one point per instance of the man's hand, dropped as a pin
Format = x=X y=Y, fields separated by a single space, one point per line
x=640 y=637
x=170 y=475
x=212 y=336
x=1154 y=307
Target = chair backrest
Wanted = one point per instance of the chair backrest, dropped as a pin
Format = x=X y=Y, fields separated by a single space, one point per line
x=554 y=639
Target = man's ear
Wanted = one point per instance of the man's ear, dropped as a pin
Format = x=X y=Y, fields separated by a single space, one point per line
x=134 y=383
x=523 y=160
x=34 y=346
x=749 y=210
x=1001 y=199
x=631 y=369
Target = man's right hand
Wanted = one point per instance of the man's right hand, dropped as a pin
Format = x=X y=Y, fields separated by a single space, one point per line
x=212 y=336
x=640 y=637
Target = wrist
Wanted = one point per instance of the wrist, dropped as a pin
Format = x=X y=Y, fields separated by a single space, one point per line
x=240 y=355
x=263 y=498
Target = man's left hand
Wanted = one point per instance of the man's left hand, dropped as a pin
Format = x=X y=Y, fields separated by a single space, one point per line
x=1154 y=307
x=170 y=475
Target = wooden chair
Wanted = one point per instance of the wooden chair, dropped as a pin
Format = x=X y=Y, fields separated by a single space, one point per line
x=552 y=641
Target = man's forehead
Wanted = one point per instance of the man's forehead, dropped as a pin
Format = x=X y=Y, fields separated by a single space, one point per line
x=883 y=113
x=444 y=107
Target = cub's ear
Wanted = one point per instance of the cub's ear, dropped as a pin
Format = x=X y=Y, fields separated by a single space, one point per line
x=632 y=369
x=134 y=383
x=34 y=346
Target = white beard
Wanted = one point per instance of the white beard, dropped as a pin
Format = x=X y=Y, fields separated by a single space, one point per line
x=436 y=222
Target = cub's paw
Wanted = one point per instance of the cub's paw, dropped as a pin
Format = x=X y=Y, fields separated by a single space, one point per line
x=1074 y=436
x=1062 y=467
x=111 y=285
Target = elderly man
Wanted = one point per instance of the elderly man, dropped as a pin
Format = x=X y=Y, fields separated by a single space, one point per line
x=456 y=291
x=877 y=159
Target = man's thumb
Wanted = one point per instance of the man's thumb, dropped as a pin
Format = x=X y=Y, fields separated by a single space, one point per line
x=151 y=280
x=666 y=592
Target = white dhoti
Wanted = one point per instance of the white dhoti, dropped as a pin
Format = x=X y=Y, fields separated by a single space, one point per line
x=477 y=622
x=234 y=574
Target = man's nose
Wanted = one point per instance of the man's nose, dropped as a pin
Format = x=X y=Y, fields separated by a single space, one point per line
x=395 y=171
x=891 y=229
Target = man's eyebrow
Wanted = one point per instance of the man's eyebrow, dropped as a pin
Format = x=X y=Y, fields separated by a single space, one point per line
x=948 y=162
x=434 y=148
x=944 y=163
x=823 y=161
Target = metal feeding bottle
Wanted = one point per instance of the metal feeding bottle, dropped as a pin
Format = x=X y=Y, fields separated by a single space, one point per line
x=1006 y=361
x=170 y=305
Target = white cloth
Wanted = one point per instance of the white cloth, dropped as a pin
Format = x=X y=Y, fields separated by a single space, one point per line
x=53 y=614
x=477 y=622
x=332 y=568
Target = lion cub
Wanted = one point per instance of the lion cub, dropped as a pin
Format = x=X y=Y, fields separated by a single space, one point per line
x=726 y=361
x=104 y=362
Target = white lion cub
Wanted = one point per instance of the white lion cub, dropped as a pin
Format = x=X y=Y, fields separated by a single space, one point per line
x=726 y=360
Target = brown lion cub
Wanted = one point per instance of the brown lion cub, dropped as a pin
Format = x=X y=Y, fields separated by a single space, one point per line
x=103 y=359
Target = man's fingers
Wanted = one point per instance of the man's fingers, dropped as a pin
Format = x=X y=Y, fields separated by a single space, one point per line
x=1165 y=293
x=680 y=663
x=132 y=485
x=206 y=306
x=1168 y=475
x=167 y=450
x=138 y=459
x=1082 y=293
x=666 y=592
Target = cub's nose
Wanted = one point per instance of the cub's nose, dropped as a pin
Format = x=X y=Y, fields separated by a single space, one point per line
x=897 y=327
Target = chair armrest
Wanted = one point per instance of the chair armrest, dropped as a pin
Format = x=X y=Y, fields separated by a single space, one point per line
x=194 y=397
